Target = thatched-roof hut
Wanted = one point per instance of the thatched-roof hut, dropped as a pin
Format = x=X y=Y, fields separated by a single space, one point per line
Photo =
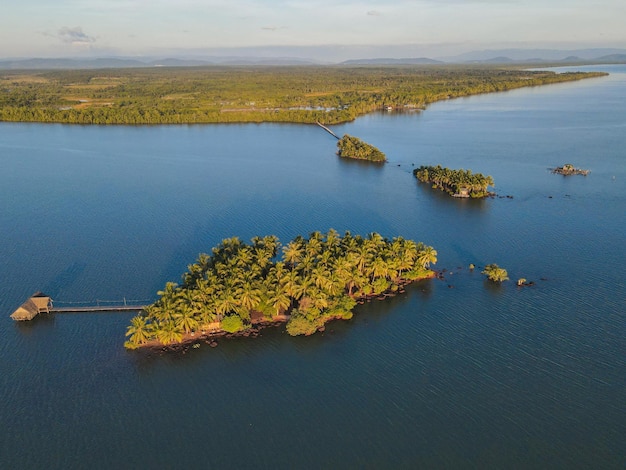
x=37 y=303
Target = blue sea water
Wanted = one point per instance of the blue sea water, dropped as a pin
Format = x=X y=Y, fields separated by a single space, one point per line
x=457 y=373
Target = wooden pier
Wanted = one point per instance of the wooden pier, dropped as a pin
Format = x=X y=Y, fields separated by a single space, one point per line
x=41 y=303
x=98 y=308
x=328 y=130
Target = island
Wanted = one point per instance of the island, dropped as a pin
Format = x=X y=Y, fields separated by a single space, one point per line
x=241 y=287
x=569 y=169
x=353 y=147
x=457 y=183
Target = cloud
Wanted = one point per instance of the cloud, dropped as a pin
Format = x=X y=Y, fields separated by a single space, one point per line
x=272 y=28
x=374 y=13
x=74 y=36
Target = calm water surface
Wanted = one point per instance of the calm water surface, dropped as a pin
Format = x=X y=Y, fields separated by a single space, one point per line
x=455 y=374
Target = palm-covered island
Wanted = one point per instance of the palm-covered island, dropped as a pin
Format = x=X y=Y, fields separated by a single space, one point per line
x=317 y=279
x=457 y=183
x=353 y=147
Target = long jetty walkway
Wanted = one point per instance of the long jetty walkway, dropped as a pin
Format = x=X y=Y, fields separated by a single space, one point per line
x=328 y=130
x=98 y=308
x=41 y=303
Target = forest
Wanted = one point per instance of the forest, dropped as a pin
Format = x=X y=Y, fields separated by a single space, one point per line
x=223 y=94
x=315 y=280
x=353 y=147
x=457 y=183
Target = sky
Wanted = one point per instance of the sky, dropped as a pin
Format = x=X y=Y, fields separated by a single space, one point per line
x=323 y=30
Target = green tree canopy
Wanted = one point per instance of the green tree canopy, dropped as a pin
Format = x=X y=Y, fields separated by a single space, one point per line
x=317 y=279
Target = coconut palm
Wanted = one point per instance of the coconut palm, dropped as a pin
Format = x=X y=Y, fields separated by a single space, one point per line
x=280 y=301
x=225 y=304
x=248 y=296
x=139 y=330
x=185 y=319
x=427 y=256
x=289 y=283
x=495 y=273
x=292 y=253
x=169 y=332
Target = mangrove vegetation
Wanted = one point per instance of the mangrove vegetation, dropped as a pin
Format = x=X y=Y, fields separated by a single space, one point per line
x=306 y=282
x=222 y=94
x=457 y=183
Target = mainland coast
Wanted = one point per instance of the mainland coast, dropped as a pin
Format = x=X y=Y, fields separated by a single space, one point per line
x=231 y=94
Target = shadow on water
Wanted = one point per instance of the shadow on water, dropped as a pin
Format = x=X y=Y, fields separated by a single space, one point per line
x=64 y=279
x=364 y=164
x=496 y=289
x=43 y=321
x=467 y=256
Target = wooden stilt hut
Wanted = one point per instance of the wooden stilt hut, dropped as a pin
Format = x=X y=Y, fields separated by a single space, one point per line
x=36 y=304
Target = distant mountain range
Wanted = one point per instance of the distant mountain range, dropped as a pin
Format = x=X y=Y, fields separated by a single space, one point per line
x=536 y=55
x=389 y=61
x=114 y=62
x=501 y=56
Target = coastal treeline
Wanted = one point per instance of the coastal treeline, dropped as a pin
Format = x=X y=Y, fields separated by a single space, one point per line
x=457 y=183
x=314 y=280
x=353 y=147
x=221 y=94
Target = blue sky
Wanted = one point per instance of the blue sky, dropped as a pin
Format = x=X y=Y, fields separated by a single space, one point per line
x=63 y=28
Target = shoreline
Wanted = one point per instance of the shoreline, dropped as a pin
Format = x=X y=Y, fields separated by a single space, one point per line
x=106 y=114
x=189 y=340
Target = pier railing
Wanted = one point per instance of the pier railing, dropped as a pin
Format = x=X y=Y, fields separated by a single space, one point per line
x=100 y=305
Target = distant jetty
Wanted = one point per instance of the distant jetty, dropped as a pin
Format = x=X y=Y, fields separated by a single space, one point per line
x=569 y=169
x=328 y=130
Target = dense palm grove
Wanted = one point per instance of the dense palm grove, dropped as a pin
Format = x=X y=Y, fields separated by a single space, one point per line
x=353 y=147
x=316 y=279
x=458 y=183
x=245 y=94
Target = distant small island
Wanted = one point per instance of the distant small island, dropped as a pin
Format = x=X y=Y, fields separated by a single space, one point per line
x=242 y=287
x=569 y=169
x=457 y=183
x=353 y=147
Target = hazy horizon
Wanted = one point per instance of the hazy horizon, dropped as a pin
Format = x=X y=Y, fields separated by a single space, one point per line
x=322 y=31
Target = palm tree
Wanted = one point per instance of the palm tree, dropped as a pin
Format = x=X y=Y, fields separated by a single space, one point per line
x=320 y=276
x=225 y=304
x=379 y=268
x=495 y=273
x=169 y=332
x=362 y=257
x=248 y=296
x=280 y=301
x=427 y=256
x=290 y=283
x=333 y=240
x=292 y=253
x=139 y=331
x=186 y=320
